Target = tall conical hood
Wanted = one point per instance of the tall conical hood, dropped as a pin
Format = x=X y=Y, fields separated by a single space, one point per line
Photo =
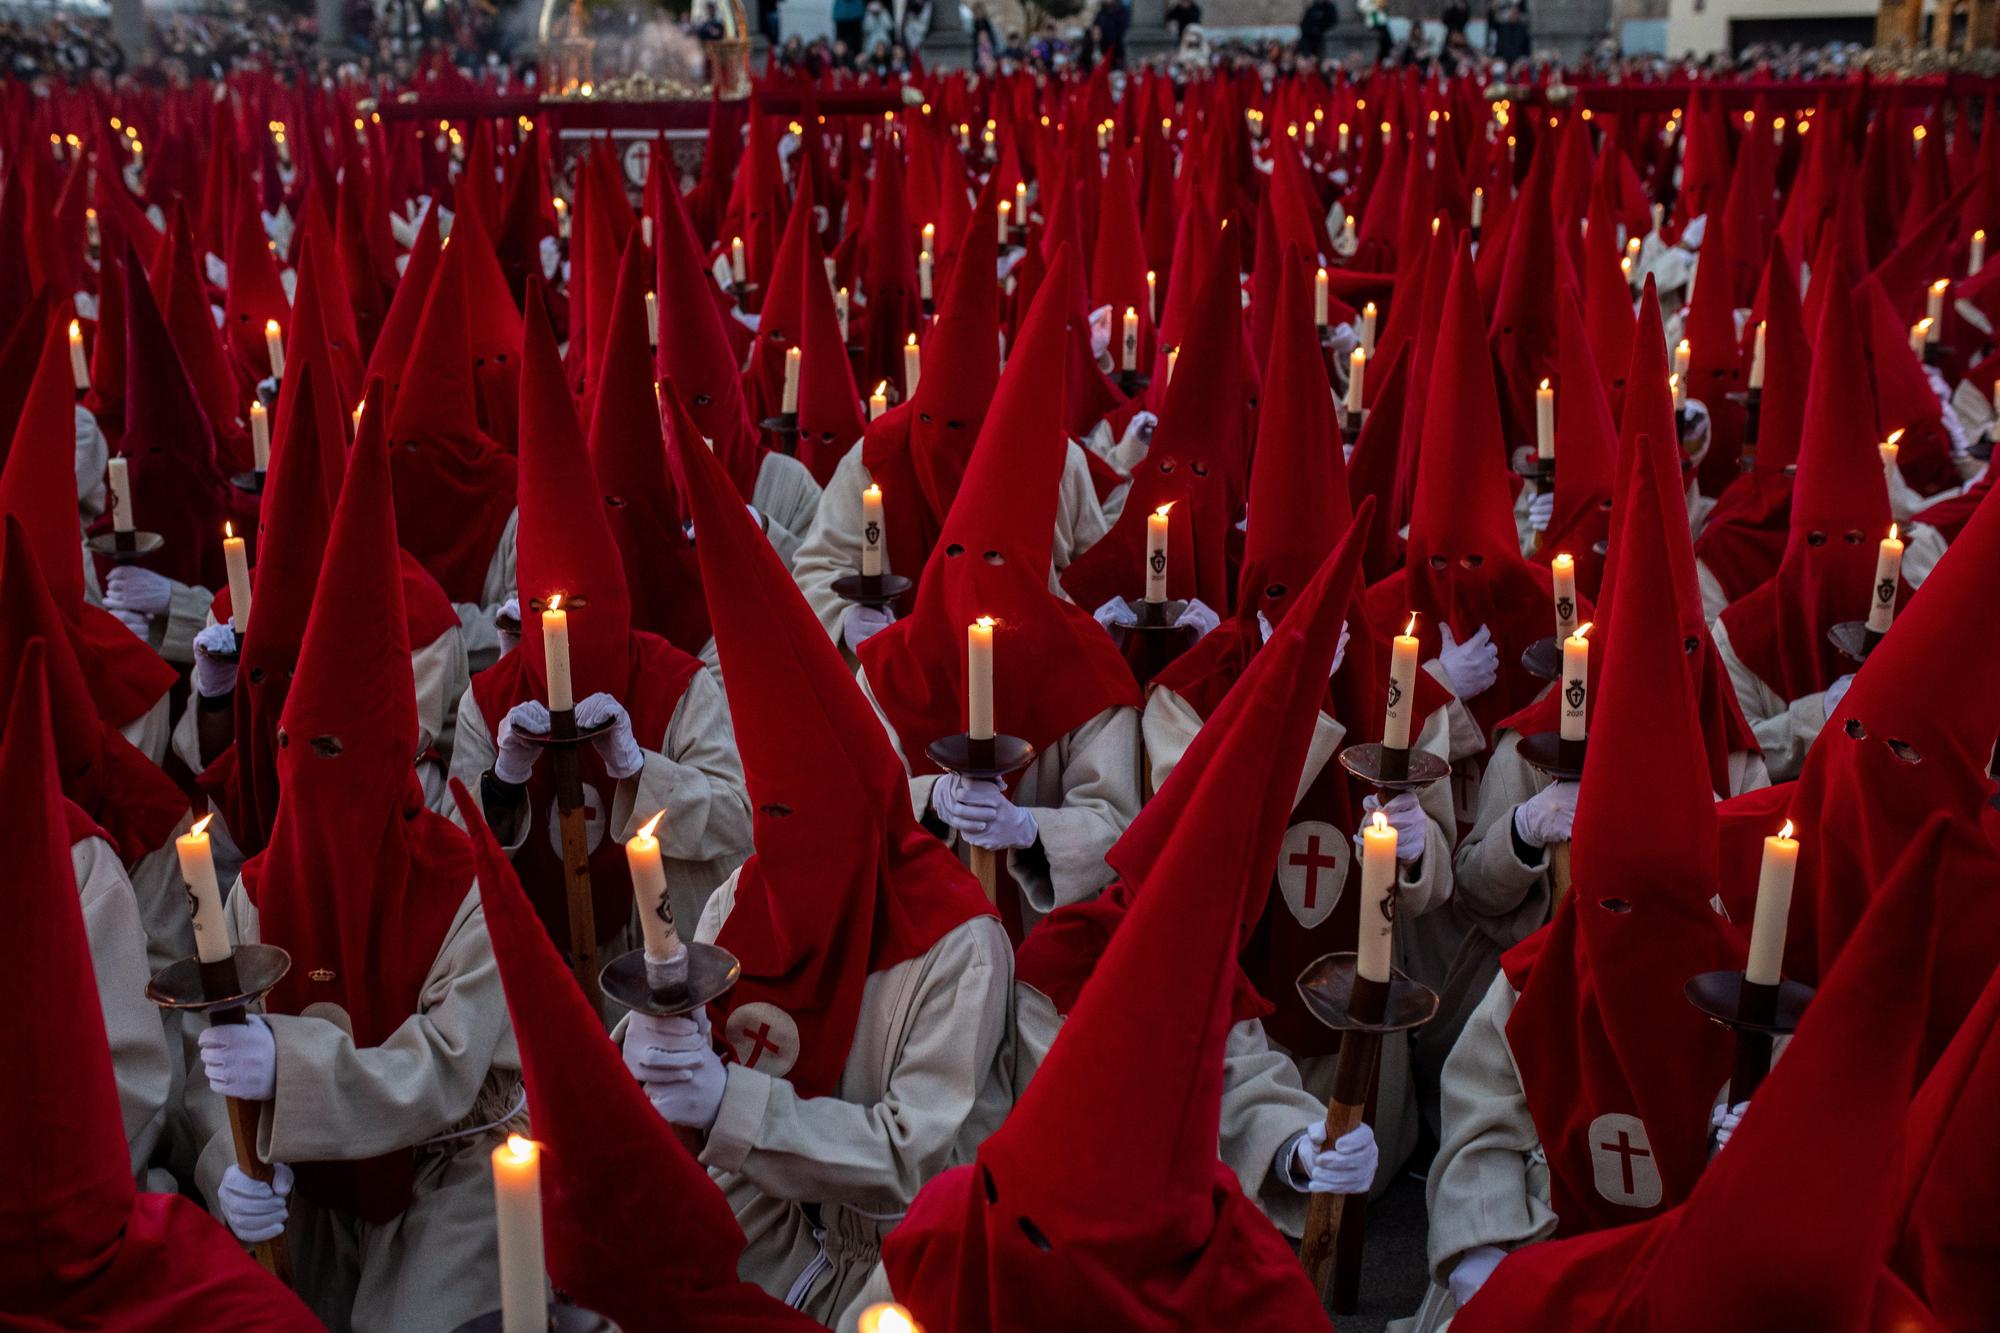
x=38 y=479
x=608 y=1160
x=406 y=308
x=255 y=293
x=1586 y=446
x=829 y=406
x=184 y=302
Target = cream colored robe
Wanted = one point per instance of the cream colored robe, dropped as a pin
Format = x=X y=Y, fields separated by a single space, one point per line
x=1784 y=728
x=693 y=773
x=141 y=1060
x=447 y=1083
x=832 y=549
x=1083 y=791
x=1170 y=728
x=928 y=1043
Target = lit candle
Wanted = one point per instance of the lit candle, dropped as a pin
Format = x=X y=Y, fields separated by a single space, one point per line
x=1562 y=572
x=1368 y=318
x=1319 y=297
x=555 y=656
x=979 y=679
x=1774 y=907
x=1683 y=353
x=517 y=1215
x=1934 y=310
x=791 y=400
x=260 y=437
x=1021 y=203
x=1344 y=132
x=887 y=1317
x=1156 y=555
x=1128 y=355
x=871 y=530
x=211 y=935
x=1977 y=259
x=79 y=366
x=1357 y=371
x=91 y=232
x=646 y=231
x=274 y=346
x=1576 y=682
x=649 y=888
x=1402 y=688
x=1888 y=572
x=1920 y=336
x=1889 y=449
x=1679 y=391
x=1478 y=205
x=739 y=269
x=913 y=366
x=840 y=313
x=1757 y=358
x=562 y=217
x=653 y=318
x=119 y=474
x=355 y=417
x=1348 y=239
x=1174 y=356
x=1153 y=293
x=1545 y=421
x=878 y=401
x=1006 y=206
x=924 y=273
x=1378 y=877
x=237 y=561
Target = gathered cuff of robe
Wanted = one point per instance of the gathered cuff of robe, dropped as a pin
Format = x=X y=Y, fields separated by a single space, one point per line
x=187 y=615
x=745 y=1095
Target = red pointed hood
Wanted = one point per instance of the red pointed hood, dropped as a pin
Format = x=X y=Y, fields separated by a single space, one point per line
x=1904 y=399
x=1118 y=264
x=184 y=301
x=694 y=347
x=628 y=454
x=1607 y=301
x=829 y=407
x=398 y=337
x=1587 y=447
x=38 y=479
x=1524 y=318
x=360 y=882
x=895 y=310
x=1840 y=511
x=607 y=1157
x=843 y=883
x=1076 y=1212
x=992 y=559
x=1604 y=1043
x=254 y=294
x=106 y=399
x=781 y=315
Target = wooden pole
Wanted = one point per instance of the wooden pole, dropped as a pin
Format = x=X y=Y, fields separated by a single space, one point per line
x=573 y=822
x=1336 y=1223
x=1558 y=874
x=273 y=1254
x=986 y=865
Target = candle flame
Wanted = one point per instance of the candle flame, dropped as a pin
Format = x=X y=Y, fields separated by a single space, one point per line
x=521 y=1149
x=75 y=331
x=1380 y=822
x=1786 y=831
x=555 y=602
x=888 y=1317
x=881 y=391
x=270 y=327
x=1895 y=436
x=1894 y=528
x=1545 y=383
x=1152 y=276
x=986 y=622
x=199 y=825
x=1583 y=630
x=1941 y=286
x=911 y=341
x=646 y=829
x=228 y=529
x=1411 y=628
x=1978 y=235
x=1162 y=510
x=1368 y=311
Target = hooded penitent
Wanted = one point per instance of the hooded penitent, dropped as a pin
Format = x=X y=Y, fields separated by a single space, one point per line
x=84 y=1249
x=843 y=882
x=829 y=406
x=1079 y=1213
x=360 y=881
x=1587 y=443
x=1840 y=512
x=1054 y=668
x=565 y=548
x=1790 y=1226
x=1618 y=1070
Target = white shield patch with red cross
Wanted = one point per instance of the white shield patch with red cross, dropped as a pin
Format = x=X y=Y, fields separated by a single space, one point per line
x=1621 y=1161
x=1312 y=870
x=764 y=1038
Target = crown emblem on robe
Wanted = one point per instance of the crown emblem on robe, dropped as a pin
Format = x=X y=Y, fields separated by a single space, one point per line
x=321 y=974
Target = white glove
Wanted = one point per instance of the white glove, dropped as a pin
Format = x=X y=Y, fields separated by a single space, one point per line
x=514 y=758
x=1836 y=692
x=1723 y=1120
x=254 y=1210
x=862 y=623
x=617 y=747
x=1348 y=1167
x=130 y=588
x=1472 y=1270
x=1695 y=439
x=510 y=639
x=132 y=620
x=1547 y=816
x=1339 y=649
x=674 y=1060
x=240 y=1059
x=1470 y=668
x=1140 y=428
x=215 y=661
x=1198 y=615
x=551 y=256
x=979 y=809
x=1344 y=339
x=1406 y=815
x=1540 y=510
x=1115 y=612
x=1100 y=332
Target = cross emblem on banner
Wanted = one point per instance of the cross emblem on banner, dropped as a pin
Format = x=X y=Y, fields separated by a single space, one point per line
x=1312 y=870
x=1623 y=1165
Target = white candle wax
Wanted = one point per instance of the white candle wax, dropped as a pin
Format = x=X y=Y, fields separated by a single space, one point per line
x=260 y=437
x=1679 y=387
x=1478 y=206
x=1774 y=907
x=924 y=274
x=653 y=318
x=1920 y=337
x=1757 y=358
x=555 y=656
x=236 y=560
x=1128 y=354
x=1562 y=573
x=840 y=313
x=649 y=890
x=1545 y=421
x=646 y=232
x=1378 y=878
x=274 y=347
x=1174 y=356
x=913 y=366
x=871 y=529
x=119 y=475
x=79 y=365
x=1575 y=683
x=1934 y=306
x=1357 y=374
x=517 y=1215
x=739 y=269
x=1319 y=298
x=791 y=398
x=1005 y=207
x=1369 y=316
x=1888 y=573
x=1153 y=294
x=979 y=679
x=211 y=935
x=1345 y=133
x=1683 y=353
x=1976 y=260
x=1402 y=689
x=878 y=401
x=1156 y=555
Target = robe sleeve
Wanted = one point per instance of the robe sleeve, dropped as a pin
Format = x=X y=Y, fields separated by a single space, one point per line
x=812 y=1149
x=186 y=616
x=1924 y=547
x=140 y=1059
x=1714 y=600
x=1100 y=797
x=831 y=548
x=1489 y=1184
x=1170 y=724
x=1466 y=737
x=1493 y=881
x=476 y=620
x=439 y=668
x=1784 y=730
x=788 y=498
x=1080 y=520
x=471 y=756
x=151 y=730
x=1264 y=1107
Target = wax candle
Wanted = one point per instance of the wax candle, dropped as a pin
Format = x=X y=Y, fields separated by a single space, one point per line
x=1920 y=336
x=1562 y=572
x=96 y=238
x=871 y=530
x=646 y=231
x=1757 y=358
x=649 y=888
x=1934 y=307
x=1889 y=449
x=1478 y=205
x=211 y=935
x=1378 y=877
x=1683 y=353
x=1545 y=421
x=1575 y=682
x=1320 y=297
x=119 y=474
x=355 y=417
x=1774 y=907
x=1368 y=322
x=517 y=1215
x=1888 y=572
x=1005 y=207
x=739 y=268
x=887 y=1317
x=1679 y=391
x=1174 y=356
x=260 y=437
x=1152 y=294
x=555 y=656
x=924 y=271
x=562 y=217
x=913 y=367
x=1344 y=133
x=274 y=347
x=1357 y=371
x=1977 y=259
x=1020 y=203
x=1156 y=555
x=1128 y=354
x=791 y=399
x=653 y=318
x=79 y=366
x=979 y=679
x=878 y=401
x=840 y=313
x=1402 y=688
x=236 y=560
x=1348 y=240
